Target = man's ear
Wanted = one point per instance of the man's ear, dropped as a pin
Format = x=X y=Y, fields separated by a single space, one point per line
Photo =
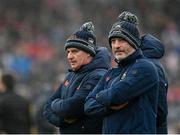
x=89 y=55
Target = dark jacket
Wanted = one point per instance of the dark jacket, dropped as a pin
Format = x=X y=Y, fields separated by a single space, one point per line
x=153 y=49
x=135 y=82
x=14 y=114
x=65 y=108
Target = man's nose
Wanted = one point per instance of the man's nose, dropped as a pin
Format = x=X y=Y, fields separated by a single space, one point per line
x=69 y=56
x=117 y=44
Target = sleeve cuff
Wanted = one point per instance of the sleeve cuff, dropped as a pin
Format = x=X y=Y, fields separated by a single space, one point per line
x=55 y=105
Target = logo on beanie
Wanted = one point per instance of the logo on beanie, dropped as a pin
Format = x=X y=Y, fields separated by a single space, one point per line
x=90 y=40
x=116 y=30
x=118 y=26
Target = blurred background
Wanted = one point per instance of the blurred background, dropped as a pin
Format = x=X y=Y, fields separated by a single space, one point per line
x=33 y=33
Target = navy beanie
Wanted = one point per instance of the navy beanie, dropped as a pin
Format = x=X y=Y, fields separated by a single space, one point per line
x=126 y=28
x=84 y=39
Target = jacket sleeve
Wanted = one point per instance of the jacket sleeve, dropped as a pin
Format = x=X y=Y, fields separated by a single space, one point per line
x=49 y=114
x=92 y=106
x=138 y=81
x=73 y=107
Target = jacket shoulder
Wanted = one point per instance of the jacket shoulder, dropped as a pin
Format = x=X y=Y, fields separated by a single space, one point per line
x=97 y=73
x=145 y=65
x=143 y=62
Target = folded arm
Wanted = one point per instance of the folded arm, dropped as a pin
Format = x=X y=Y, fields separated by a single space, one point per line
x=92 y=106
x=138 y=81
x=49 y=114
x=73 y=107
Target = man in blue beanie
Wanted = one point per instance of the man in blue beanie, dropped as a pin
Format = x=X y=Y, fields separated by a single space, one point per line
x=65 y=108
x=126 y=97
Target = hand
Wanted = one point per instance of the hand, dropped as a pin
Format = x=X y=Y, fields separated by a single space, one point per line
x=118 y=107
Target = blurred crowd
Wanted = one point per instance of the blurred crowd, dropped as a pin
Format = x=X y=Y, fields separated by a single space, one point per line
x=33 y=33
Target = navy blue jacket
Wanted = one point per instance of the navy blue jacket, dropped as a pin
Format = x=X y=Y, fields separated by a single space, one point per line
x=65 y=108
x=135 y=82
x=153 y=49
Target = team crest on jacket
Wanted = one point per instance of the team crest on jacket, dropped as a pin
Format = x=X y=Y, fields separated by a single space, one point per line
x=66 y=83
x=78 y=87
x=107 y=78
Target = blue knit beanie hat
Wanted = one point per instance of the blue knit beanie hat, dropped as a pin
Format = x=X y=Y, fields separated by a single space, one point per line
x=126 y=28
x=84 y=39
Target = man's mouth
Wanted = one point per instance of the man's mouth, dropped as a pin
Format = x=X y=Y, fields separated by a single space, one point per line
x=119 y=52
x=72 y=62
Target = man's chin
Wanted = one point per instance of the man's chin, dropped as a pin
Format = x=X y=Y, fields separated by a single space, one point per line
x=74 y=68
x=119 y=58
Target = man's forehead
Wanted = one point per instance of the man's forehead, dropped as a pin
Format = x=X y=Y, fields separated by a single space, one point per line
x=73 y=49
x=118 y=38
x=121 y=39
